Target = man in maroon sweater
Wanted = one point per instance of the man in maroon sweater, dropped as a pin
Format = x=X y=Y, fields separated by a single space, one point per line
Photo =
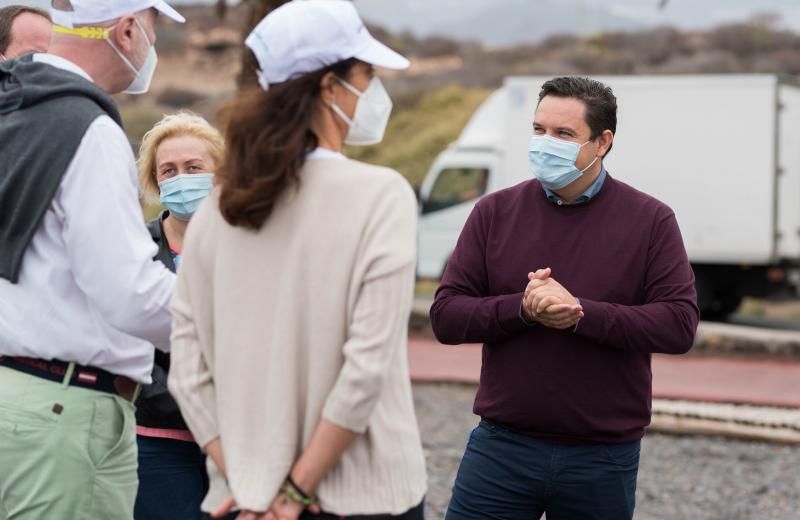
x=571 y=281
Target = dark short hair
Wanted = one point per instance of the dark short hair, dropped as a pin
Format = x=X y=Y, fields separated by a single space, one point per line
x=7 y=16
x=599 y=99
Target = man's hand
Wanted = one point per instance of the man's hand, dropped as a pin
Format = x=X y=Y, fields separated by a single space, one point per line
x=547 y=302
x=535 y=280
x=561 y=316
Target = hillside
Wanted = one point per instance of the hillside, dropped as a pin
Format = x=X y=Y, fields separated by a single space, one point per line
x=200 y=62
x=513 y=22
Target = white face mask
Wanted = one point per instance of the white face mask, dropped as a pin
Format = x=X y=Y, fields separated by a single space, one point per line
x=371 y=116
x=143 y=76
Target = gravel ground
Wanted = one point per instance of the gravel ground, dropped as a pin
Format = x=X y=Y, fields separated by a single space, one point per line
x=680 y=477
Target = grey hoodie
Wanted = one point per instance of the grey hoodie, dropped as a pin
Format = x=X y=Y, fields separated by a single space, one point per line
x=44 y=113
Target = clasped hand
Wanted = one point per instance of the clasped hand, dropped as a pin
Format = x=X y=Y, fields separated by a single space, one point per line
x=282 y=508
x=547 y=302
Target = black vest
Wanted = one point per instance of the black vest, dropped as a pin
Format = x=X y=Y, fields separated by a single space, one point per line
x=155 y=407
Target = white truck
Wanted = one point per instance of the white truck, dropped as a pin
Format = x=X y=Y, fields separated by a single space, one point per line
x=722 y=150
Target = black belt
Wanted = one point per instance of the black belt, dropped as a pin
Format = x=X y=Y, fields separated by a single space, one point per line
x=85 y=377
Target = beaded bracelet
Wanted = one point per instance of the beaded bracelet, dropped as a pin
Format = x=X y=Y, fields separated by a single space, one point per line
x=295 y=494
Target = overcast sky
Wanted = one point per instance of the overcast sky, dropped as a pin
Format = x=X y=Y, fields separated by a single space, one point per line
x=500 y=22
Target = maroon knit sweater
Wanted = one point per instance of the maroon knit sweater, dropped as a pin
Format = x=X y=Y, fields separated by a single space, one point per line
x=622 y=255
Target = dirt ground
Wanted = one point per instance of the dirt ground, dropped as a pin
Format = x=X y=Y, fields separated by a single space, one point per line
x=689 y=477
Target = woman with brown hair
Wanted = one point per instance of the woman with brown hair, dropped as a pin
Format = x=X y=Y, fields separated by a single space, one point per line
x=291 y=310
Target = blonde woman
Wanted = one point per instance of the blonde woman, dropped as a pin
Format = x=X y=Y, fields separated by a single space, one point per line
x=177 y=160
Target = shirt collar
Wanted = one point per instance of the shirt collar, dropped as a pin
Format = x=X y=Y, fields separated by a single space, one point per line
x=590 y=192
x=61 y=63
x=324 y=153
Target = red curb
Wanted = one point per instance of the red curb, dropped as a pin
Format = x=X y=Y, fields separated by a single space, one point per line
x=757 y=382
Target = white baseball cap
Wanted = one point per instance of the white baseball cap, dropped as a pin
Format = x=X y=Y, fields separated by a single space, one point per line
x=306 y=35
x=69 y=13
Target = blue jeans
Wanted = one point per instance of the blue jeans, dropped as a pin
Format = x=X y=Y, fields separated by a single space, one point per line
x=508 y=476
x=172 y=480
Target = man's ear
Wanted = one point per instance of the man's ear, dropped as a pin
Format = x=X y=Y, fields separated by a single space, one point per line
x=123 y=34
x=604 y=142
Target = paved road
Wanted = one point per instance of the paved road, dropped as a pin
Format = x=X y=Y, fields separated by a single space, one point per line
x=761 y=382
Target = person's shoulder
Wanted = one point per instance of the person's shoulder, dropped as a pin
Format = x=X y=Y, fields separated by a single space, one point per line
x=369 y=171
x=105 y=146
x=103 y=129
x=508 y=197
x=209 y=209
x=207 y=224
x=365 y=178
x=155 y=228
x=634 y=197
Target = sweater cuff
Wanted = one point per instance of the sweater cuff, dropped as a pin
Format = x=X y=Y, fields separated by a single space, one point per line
x=341 y=414
x=594 y=322
x=509 y=313
x=525 y=320
x=204 y=432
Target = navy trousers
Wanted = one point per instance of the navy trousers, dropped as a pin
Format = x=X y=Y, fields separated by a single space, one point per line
x=509 y=476
x=172 y=480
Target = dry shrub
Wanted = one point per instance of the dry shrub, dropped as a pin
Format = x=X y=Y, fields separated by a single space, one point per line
x=178 y=98
x=416 y=135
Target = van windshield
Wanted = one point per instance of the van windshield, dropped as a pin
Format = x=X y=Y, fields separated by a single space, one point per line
x=456 y=186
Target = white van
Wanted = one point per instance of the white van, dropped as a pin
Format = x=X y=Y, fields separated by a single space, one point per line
x=722 y=150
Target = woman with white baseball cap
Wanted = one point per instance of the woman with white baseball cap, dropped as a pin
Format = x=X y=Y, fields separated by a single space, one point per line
x=289 y=346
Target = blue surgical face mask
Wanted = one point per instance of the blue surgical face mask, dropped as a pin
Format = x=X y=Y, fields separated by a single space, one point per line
x=553 y=161
x=182 y=194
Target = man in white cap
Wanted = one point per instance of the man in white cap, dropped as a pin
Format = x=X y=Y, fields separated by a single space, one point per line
x=82 y=303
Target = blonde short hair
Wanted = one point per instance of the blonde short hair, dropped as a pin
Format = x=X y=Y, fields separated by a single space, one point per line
x=172 y=125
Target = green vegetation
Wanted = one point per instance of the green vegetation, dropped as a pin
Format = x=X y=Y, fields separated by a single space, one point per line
x=138 y=119
x=753 y=307
x=783 y=310
x=425 y=288
x=417 y=134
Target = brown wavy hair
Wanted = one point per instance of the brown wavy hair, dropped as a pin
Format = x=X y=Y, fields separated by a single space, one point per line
x=268 y=134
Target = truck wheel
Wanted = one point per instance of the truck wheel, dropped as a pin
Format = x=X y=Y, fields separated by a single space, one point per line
x=716 y=301
x=724 y=306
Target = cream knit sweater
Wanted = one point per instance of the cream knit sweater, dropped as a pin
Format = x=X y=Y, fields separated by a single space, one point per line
x=306 y=318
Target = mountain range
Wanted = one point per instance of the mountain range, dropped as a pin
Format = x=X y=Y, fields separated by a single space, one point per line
x=508 y=22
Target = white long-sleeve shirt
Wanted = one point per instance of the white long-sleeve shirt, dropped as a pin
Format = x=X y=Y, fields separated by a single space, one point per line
x=89 y=290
